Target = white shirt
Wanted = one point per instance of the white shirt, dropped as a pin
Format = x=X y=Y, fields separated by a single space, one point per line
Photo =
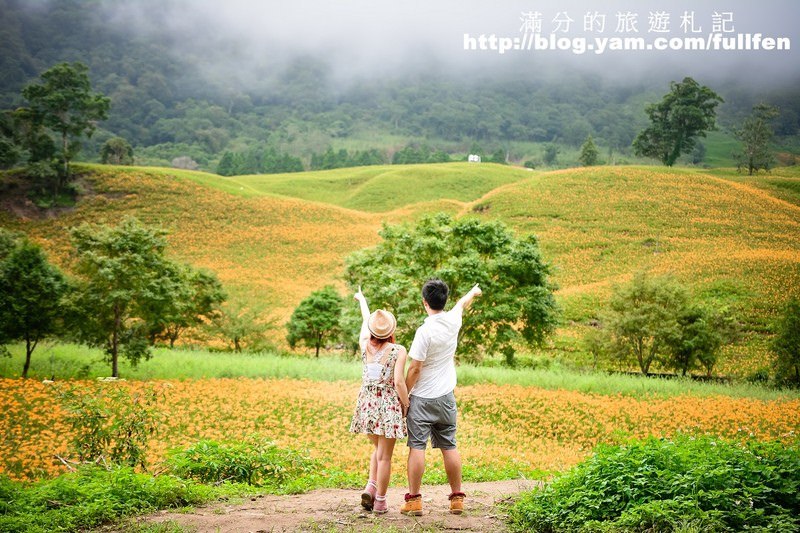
x=435 y=345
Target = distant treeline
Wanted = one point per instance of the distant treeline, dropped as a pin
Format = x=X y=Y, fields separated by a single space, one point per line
x=165 y=106
x=272 y=161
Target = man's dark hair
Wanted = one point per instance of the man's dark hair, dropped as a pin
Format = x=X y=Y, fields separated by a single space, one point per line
x=435 y=293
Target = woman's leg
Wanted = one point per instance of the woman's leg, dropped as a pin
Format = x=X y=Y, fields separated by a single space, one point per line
x=384 y=455
x=384 y=450
x=371 y=488
x=373 y=458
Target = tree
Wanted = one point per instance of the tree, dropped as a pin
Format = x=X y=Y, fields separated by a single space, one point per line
x=125 y=279
x=63 y=103
x=242 y=326
x=550 y=156
x=228 y=165
x=684 y=114
x=644 y=319
x=194 y=299
x=786 y=344
x=461 y=252
x=316 y=318
x=116 y=151
x=498 y=156
x=9 y=153
x=756 y=135
x=589 y=153
x=31 y=290
x=699 y=336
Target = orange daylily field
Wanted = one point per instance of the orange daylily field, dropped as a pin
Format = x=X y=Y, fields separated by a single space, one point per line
x=272 y=240
x=503 y=427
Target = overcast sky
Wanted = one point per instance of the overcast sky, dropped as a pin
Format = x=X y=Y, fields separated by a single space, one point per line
x=362 y=37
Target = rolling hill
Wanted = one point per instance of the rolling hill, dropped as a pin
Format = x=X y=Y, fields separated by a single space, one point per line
x=273 y=239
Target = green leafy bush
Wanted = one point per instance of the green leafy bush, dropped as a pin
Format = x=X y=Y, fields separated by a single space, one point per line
x=94 y=495
x=256 y=461
x=697 y=484
x=114 y=423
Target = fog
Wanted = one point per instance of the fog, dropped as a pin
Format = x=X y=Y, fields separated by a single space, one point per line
x=246 y=40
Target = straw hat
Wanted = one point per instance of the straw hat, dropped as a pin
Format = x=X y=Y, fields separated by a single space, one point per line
x=381 y=324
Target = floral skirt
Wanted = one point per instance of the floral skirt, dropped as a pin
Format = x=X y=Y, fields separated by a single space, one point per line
x=378 y=412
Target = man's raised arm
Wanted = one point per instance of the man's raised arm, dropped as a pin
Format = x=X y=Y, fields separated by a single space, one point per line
x=466 y=300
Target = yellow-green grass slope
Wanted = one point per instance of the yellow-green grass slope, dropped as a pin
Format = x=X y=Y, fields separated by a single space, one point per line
x=274 y=239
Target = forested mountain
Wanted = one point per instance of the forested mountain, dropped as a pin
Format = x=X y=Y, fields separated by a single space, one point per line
x=169 y=104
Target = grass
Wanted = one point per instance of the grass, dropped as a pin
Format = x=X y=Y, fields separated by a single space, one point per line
x=64 y=361
x=374 y=188
x=719 y=149
x=782 y=183
x=597 y=226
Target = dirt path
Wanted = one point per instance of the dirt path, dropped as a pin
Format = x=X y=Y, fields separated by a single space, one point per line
x=340 y=510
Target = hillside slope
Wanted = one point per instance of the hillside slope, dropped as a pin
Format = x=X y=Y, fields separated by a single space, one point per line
x=274 y=239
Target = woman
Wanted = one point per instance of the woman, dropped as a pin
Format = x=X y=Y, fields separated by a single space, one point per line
x=382 y=401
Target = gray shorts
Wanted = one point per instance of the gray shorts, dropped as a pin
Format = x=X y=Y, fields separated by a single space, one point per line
x=433 y=418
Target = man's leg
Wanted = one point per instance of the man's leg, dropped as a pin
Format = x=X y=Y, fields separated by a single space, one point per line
x=452 y=465
x=418 y=433
x=416 y=467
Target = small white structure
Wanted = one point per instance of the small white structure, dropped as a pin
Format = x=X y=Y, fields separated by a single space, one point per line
x=472 y=158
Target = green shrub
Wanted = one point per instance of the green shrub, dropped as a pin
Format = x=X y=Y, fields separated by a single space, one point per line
x=256 y=461
x=683 y=484
x=112 y=423
x=93 y=496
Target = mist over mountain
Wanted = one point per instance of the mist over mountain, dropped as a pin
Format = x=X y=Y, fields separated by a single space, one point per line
x=199 y=78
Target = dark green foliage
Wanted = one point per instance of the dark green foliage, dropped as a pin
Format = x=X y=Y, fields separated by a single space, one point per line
x=112 y=424
x=422 y=153
x=275 y=162
x=700 y=334
x=341 y=159
x=116 y=151
x=589 y=153
x=550 y=156
x=228 y=165
x=316 y=319
x=786 y=345
x=64 y=104
x=684 y=114
x=93 y=496
x=167 y=107
x=517 y=306
x=756 y=135
x=270 y=161
x=9 y=151
x=255 y=461
x=32 y=292
x=702 y=483
x=498 y=156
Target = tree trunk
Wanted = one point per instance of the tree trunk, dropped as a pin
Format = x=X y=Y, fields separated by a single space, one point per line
x=319 y=342
x=28 y=352
x=115 y=342
x=64 y=155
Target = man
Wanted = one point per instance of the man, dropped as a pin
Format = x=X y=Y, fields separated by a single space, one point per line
x=431 y=379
